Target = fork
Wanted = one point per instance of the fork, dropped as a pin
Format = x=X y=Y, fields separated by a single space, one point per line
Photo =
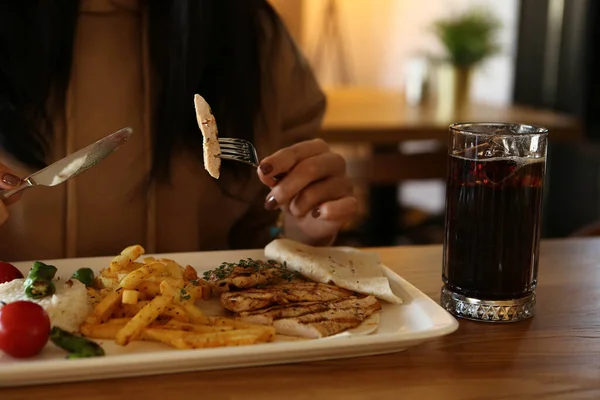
x=238 y=150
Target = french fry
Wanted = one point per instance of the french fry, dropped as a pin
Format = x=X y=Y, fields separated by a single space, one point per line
x=184 y=299
x=129 y=310
x=164 y=333
x=105 y=308
x=200 y=290
x=128 y=255
x=236 y=337
x=169 y=260
x=130 y=296
x=118 y=321
x=95 y=295
x=149 y=289
x=195 y=292
x=222 y=321
x=132 y=266
x=143 y=318
x=268 y=334
x=107 y=280
x=177 y=283
x=175 y=270
x=195 y=314
x=165 y=336
x=133 y=279
x=268 y=331
x=183 y=326
x=176 y=312
x=167 y=289
x=100 y=331
x=149 y=260
x=107 y=331
x=182 y=339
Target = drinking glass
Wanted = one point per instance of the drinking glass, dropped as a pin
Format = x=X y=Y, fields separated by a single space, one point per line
x=493 y=219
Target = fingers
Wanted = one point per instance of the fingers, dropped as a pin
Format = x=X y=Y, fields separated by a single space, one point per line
x=337 y=210
x=8 y=180
x=273 y=167
x=312 y=196
x=306 y=172
x=323 y=224
x=309 y=184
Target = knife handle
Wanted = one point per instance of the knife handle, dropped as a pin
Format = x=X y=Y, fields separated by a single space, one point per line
x=25 y=184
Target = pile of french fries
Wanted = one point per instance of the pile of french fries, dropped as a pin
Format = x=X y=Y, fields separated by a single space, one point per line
x=155 y=300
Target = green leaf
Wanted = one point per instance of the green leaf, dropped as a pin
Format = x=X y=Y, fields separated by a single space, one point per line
x=469 y=38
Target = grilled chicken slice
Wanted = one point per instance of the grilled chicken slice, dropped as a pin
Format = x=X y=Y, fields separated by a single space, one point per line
x=297 y=292
x=315 y=319
x=248 y=274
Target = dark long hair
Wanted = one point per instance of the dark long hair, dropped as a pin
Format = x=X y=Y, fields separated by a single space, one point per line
x=211 y=47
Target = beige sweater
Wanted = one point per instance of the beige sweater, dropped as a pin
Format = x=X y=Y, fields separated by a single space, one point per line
x=104 y=210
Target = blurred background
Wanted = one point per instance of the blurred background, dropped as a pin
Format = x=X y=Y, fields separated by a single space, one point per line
x=398 y=72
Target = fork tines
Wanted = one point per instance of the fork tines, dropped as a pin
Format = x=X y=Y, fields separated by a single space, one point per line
x=238 y=150
x=238 y=145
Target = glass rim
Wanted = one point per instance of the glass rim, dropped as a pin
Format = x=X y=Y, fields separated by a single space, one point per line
x=461 y=127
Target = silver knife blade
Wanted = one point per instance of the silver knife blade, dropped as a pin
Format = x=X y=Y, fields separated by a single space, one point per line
x=73 y=164
x=81 y=160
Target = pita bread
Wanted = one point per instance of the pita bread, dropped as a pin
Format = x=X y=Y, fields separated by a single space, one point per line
x=210 y=135
x=347 y=268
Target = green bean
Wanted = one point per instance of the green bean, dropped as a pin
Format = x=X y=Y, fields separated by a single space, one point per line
x=85 y=276
x=77 y=346
x=39 y=281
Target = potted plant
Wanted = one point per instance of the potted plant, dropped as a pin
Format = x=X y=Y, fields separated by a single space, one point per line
x=468 y=39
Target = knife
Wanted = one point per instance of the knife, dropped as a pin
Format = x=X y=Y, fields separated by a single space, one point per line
x=73 y=164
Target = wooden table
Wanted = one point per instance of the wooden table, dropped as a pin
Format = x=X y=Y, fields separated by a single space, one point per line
x=555 y=355
x=379 y=116
x=381 y=119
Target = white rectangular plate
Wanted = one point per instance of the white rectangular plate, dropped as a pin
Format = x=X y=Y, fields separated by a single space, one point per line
x=400 y=326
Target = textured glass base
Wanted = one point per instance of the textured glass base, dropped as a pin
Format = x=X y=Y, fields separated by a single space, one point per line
x=488 y=310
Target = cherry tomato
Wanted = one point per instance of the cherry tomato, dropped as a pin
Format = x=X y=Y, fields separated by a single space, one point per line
x=8 y=272
x=24 y=329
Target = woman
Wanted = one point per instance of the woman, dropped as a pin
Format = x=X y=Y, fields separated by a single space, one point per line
x=72 y=72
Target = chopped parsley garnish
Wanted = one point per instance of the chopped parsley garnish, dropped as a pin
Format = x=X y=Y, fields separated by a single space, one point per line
x=276 y=269
x=184 y=295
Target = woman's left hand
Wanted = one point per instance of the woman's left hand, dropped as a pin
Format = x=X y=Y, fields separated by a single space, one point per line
x=309 y=184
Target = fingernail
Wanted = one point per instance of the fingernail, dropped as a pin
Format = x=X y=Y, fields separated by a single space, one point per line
x=11 y=179
x=266 y=168
x=279 y=177
x=271 y=203
x=316 y=213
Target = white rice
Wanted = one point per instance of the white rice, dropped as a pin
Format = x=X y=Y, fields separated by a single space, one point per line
x=67 y=308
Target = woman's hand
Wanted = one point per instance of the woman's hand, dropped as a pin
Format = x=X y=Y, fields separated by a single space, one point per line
x=8 y=180
x=309 y=183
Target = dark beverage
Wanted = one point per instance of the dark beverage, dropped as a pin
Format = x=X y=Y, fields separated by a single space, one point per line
x=493 y=218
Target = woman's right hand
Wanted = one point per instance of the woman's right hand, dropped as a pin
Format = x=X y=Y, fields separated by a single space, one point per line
x=8 y=180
